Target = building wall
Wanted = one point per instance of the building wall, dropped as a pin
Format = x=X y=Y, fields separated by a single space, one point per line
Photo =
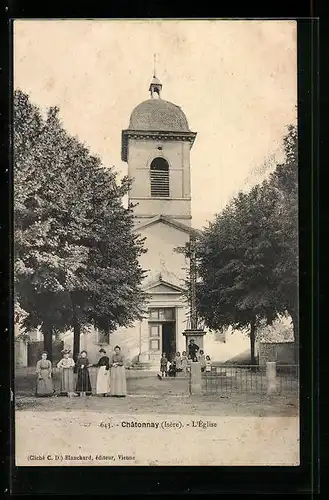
x=236 y=344
x=178 y=209
x=128 y=339
x=281 y=352
x=36 y=335
x=89 y=342
x=20 y=353
x=134 y=341
x=140 y=155
x=161 y=241
x=181 y=314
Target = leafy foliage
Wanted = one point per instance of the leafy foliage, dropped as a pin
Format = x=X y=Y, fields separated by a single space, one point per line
x=76 y=256
x=248 y=258
x=280 y=331
x=284 y=223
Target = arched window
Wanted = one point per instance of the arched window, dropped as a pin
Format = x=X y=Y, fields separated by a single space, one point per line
x=159 y=173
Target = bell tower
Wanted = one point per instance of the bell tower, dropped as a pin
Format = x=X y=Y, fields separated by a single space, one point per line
x=157 y=147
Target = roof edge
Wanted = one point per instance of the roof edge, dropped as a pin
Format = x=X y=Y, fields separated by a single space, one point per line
x=170 y=222
x=158 y=280
x=175 y=135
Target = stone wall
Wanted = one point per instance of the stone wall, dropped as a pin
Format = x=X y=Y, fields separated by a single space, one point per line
x=281 y=352
x=177 y=153
x=20 y=353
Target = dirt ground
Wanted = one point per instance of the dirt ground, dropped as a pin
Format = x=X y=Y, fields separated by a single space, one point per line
x=241 y=405
x=146 y=393
x=237 y=428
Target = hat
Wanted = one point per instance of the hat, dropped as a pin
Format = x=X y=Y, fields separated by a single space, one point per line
x=65 y=351
x=44 y=352
x=102 y=350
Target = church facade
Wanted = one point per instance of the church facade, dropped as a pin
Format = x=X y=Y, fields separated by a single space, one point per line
x=157 y=146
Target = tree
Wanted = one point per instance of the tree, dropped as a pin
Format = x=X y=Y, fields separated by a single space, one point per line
x=234 y=255
x=190 y=251
x=279 y=331
x=284 y=220
x=76 y=256
x=248 y=255
x=19 y=328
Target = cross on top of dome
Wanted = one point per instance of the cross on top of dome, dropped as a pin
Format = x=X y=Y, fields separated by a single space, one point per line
x=156 y=116
x=155 y=85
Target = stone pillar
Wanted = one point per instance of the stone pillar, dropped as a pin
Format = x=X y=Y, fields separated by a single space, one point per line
x=195 y=386
x=144 y=337
x=271 y=377
x=196 y=335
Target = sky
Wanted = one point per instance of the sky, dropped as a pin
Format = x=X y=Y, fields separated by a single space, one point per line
x=235 y=80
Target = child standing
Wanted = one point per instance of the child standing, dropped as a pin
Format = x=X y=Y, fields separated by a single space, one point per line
x=189 y=362
x=184 y=362
x=164 y=365
x=202 y=360
x=208 y=364
x=178 y=361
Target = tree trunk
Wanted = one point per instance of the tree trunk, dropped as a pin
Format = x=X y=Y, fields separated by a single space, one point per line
x=48 y=341
x=76 y=338
x=76 y=329
x=252 y=341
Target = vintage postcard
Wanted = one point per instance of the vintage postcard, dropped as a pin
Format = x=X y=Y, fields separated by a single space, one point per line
x=155 y=233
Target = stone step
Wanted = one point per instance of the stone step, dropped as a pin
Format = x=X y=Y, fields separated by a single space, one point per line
x=141 y=366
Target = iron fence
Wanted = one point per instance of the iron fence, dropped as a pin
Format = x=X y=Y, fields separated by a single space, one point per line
x=223 y=379
x=226 y=379
x=287 y=378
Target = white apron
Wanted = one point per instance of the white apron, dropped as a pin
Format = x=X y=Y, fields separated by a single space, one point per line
x=103 y=381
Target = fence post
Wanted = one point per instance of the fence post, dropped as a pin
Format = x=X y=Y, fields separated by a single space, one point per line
x=195 y=386
x=271 y=377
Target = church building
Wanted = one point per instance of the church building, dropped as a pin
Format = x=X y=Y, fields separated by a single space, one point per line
x=157 y=146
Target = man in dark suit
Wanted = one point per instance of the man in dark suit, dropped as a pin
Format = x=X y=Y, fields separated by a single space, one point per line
x=193 y=349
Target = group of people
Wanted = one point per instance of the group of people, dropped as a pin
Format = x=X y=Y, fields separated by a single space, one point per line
x=182 y=363
x=111 y=375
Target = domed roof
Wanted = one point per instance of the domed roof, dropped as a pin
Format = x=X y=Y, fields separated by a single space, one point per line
x=160 y=115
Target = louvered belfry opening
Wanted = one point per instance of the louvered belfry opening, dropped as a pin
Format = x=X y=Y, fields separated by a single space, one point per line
x=159 y=178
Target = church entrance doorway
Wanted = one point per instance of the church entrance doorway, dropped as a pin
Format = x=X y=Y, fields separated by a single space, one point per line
x=169 y=339
x=162 y=332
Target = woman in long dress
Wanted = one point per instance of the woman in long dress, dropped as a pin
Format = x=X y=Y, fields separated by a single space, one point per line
x=118 y=374
x=83 y=381
x=103 y=375
x=66 y=365
x=44 y=376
